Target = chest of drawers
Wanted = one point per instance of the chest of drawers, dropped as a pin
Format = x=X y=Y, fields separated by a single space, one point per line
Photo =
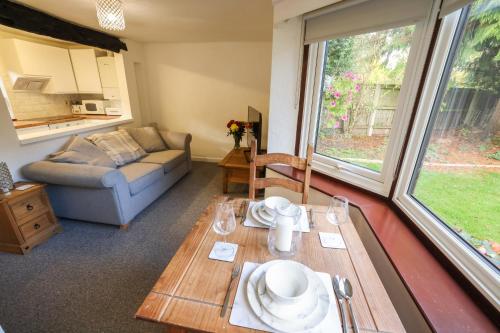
x=26 y=219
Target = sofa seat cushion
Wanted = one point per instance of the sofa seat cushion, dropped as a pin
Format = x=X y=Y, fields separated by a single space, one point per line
x=140 y=175
x=168 y=158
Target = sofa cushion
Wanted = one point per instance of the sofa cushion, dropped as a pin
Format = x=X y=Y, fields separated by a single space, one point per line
x=81 y=151
x=119 y=146
x=168 y=158
x=147 y=137
x=140 y=175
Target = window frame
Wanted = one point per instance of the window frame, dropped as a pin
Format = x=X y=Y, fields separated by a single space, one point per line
x=376 y=182
x=481 y=274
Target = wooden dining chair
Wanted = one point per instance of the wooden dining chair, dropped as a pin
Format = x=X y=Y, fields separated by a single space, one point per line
x=303 y=164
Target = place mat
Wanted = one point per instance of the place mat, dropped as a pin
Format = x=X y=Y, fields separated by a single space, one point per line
x=331 y=240
x=243 y=316
x=251 y=222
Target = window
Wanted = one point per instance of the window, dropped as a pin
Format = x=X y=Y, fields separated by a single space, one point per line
x=450 y=179
x=457 y=176
x=358 y=98
x=362 y=77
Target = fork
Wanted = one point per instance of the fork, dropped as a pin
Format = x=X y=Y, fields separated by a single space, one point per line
x=311 y=218
x=234 y=275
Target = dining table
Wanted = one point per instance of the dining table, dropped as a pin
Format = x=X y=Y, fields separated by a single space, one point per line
x=189 y=294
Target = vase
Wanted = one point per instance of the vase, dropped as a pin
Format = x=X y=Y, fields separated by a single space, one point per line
x=237 y=141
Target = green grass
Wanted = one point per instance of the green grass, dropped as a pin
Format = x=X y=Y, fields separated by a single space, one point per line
x=467 y=201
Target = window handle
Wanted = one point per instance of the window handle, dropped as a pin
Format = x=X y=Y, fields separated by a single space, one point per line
x=339 y=167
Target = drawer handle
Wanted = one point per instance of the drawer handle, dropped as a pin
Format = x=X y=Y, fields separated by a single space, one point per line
x=29 y=207
x=36 y=226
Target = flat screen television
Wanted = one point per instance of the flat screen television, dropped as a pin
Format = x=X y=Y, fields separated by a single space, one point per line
x=255 y=127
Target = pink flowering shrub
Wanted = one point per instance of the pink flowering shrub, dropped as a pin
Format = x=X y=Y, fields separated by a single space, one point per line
x=339 y=98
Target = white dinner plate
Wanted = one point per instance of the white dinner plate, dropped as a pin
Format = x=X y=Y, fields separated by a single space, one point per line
x=307 y=321
x=257 y=217
x=264 y=214
x=292 y=311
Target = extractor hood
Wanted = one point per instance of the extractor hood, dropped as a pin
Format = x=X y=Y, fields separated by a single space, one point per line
x=28 y=82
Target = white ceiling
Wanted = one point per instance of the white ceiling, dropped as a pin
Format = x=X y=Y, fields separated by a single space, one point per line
x=174 y=20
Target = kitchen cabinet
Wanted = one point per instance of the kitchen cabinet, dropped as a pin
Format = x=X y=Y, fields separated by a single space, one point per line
x=28 y=58
x=107 y=72
x=109 y=79
x=86 y=71
x=111 y=93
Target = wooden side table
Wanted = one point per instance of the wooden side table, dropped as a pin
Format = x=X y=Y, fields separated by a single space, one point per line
x=236 y=168
x=26 y=219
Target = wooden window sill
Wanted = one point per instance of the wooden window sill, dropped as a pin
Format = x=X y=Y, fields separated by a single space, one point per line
x=446 y=306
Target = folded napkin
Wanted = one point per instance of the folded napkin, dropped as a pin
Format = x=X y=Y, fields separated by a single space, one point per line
x=242 y=314
x=251 y=222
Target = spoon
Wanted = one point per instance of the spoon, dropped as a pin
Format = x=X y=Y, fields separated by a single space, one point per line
x=346 y=289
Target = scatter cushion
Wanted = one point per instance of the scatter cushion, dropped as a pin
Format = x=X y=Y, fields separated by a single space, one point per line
x=148 y=138
x=119 y=146
x=80 y=151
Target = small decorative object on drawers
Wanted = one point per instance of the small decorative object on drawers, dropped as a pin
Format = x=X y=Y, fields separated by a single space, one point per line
x=6 y=182
x=26 y=219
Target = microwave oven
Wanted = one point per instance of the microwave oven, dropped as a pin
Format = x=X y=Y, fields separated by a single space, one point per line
x=93 y=106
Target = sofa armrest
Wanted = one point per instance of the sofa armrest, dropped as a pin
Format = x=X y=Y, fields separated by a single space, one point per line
x=176 y=140
x=68 y=174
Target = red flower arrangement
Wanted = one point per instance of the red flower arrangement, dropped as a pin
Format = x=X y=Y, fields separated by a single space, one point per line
x=236 y=128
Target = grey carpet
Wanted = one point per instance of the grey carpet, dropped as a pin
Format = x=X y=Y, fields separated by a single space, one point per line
x=92 y=277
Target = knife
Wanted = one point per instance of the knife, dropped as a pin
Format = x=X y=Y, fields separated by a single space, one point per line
x=244 y=210
x=340 y=298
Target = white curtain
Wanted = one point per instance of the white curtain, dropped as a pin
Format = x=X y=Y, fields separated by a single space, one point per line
x=351 y=17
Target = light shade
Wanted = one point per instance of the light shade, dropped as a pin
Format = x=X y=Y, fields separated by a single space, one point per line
x=110 y=14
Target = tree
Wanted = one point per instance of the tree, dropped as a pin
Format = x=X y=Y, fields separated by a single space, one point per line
x=478 y=61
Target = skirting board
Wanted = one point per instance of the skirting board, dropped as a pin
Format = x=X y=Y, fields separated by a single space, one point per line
x=206 y=159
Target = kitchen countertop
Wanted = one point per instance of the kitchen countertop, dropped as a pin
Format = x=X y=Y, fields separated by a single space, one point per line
x=58 y=119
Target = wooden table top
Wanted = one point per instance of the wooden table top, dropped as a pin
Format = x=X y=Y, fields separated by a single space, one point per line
x=190 y=292
x=236 y=159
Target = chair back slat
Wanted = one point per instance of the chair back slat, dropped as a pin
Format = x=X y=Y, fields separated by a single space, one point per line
x=290 y=184
x=279 y=158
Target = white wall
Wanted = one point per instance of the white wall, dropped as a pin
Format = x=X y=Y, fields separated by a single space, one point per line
x=285 y=9
x=131 y=58
x=285 y=83
x=199 y=87
x=17 y=155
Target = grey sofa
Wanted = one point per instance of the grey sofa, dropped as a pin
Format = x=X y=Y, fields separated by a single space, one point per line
x=113 y=196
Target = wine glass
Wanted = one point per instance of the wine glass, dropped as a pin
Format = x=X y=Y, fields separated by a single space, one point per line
x=224 y=223
x=338 y=210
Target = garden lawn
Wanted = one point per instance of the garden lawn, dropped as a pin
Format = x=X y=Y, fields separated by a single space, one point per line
x=467 y=200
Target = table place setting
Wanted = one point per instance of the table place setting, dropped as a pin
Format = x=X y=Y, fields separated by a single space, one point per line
x=261 y=214
x=304 y=301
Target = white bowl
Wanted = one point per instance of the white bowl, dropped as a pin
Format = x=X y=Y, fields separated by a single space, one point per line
x=286 y=282
x=271 y=203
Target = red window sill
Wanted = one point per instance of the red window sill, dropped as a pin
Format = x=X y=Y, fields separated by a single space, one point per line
x=446 y=306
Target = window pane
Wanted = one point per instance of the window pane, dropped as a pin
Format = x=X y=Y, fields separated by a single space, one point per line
x=458 y=178
x=362 y=77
